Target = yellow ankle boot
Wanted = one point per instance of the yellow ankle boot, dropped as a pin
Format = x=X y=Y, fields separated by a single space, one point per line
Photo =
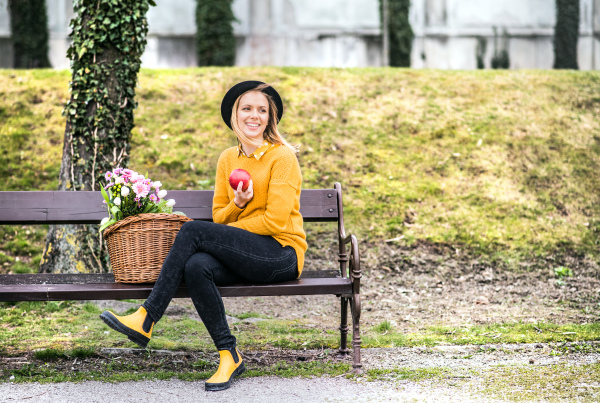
x=231 y=365
x=137 y=326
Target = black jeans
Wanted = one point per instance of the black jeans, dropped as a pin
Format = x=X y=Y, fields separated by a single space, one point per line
x=206 y=255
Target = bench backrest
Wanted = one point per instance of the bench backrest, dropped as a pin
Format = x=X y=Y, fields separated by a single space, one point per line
x=67 y=207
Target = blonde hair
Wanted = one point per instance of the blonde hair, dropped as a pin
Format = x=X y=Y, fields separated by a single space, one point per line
x=271 y=132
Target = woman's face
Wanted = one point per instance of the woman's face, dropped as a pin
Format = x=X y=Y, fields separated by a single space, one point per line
x=253 y=114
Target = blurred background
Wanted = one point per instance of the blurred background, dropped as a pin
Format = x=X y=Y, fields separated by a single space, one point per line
x=440 y=34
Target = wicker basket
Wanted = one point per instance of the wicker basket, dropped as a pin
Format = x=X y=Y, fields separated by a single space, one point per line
x=138 y=245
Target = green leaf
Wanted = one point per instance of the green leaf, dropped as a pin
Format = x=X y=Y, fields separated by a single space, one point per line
x=146 y=208
x=108 y=224
x=152 y=3
x=82 y=52
x=104 y=194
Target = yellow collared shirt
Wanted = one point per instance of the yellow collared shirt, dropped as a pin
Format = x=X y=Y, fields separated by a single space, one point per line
x=259 y=152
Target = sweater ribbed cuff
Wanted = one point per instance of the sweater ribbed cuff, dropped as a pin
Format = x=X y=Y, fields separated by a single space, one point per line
x=232 y=211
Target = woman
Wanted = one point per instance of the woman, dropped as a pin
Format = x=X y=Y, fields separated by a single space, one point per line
x=256 y=236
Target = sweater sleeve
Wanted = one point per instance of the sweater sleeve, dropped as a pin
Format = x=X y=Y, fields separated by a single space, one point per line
x=284 y=184
x=224 y=210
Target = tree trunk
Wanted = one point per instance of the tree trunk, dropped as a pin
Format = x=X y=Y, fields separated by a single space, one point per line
x=29 y=33
x=108 y=41
x=215 y=41
x=566 y=34
x=400 y=33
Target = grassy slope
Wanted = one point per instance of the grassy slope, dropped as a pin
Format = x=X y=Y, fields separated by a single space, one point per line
x=494 y=162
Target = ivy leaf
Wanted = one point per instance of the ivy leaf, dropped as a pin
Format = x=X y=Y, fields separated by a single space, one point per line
x=152 y=3
x=82 y=52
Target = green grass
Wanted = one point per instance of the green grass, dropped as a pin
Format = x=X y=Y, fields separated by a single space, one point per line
x=67 y=327
x=501 y=164
x=548 y=383
x=552 y=383
x=496 y=333
x=246 y=315
x=113 y=371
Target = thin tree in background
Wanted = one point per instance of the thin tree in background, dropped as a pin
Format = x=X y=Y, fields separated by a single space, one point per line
x=215 y=42
x=29 y=33
x=400 y=33
x=566 y=34
x=109 y=38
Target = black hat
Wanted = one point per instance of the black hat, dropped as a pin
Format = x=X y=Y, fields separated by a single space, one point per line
x=238 y=89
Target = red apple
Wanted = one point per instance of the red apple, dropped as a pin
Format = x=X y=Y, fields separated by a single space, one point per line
x=237 y=176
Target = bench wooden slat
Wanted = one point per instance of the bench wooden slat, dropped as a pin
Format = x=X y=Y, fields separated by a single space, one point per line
x=99 y=278
x=62 y=207
x=103 y=291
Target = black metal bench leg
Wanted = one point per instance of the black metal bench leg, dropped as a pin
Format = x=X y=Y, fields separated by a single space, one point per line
x=344 y=351
x=356 y=342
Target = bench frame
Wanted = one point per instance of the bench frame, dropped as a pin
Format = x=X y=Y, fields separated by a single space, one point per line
x=65 y=207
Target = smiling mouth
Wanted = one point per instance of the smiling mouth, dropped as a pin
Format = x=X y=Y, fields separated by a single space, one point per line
x=253 y=125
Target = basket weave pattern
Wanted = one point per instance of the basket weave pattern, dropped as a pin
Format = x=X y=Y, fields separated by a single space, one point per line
x=138 y=245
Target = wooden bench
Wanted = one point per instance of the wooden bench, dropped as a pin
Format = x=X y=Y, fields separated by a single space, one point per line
x=61 y=207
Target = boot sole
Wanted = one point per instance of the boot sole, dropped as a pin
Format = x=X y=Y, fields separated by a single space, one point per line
x=131 y=334
x=220 y=386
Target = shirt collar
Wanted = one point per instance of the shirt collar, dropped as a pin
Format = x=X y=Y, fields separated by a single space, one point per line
x=259 y=152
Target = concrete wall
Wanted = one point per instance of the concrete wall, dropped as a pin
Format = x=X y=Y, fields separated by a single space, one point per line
x=447 y=30
x=316 y=33
x=345 y=33
x=320 y=33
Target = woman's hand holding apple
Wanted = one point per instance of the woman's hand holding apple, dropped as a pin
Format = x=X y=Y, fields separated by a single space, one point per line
x=243 y=191
x=242 y=197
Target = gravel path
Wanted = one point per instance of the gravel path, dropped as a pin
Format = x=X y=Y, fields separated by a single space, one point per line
x=457 y=359
x=473 y=357
x=264 y=389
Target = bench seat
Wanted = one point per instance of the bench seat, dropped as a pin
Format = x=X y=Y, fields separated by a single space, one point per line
x=63 y=287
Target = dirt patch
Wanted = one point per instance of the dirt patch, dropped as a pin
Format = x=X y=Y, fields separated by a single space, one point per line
x=426 y=285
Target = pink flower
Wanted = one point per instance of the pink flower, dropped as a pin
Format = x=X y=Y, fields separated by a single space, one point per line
x=127 y=173
x=118 y=171
x=154 y=198
x=141 y=189
x=108 y=175
x=135 y=178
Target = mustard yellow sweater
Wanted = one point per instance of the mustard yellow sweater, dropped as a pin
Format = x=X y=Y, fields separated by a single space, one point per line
x=275 y=207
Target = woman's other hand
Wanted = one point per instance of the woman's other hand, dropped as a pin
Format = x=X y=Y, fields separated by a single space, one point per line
x=243 y=197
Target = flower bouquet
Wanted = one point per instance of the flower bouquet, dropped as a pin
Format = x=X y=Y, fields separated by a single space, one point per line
x=141 y=225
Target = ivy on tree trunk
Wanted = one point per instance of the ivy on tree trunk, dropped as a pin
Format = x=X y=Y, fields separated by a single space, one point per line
x=109 y=38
